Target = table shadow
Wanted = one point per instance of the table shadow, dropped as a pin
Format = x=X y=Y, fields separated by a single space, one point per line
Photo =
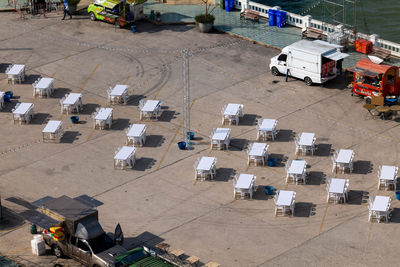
x=120 y=124
x=357 y=197
x=304 y=209
x=323 y=150
x=225 y=174
x=143 y=164
x=362 y=167
x=154 y=140
x=69 y=137
x=316 y=178
x=284 y=135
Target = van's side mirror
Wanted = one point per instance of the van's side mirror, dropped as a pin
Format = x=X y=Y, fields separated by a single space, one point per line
x=88 y=252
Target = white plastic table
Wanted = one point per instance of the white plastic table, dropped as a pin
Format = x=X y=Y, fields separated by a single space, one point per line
x=232 y=109
x=258 y=149
x=119 y=91
x=52 y=126
x=244 y=181
x=206 y=163
x=52 y=129
x=45 y=85
x=72 y=100
x=297 y=167
x=285 y=198
x=221 y=134
x=344 y=156
x=23 y=108
x=150 y=109
x=306 y=139
x=104 y=116
x=337 y=186
x=266 y=128
x=125 y=156
x=268 y=125
x=381 y=203
x=388 y=173
x=137 y=134
x=23 y=112
x=16 y=72
x=150 y=105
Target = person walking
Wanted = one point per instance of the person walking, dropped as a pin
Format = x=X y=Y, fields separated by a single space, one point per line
x=66 y=9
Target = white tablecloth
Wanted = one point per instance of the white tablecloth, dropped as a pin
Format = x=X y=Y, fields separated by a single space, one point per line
x=344 y=156
x=337 y=186
x=23 y=108
x=136 y=130
x=221 y=134
x=72 y=98
x=205 y=163
x=125 y=153
x=232 y=109
x=381 y=203
x=52 y=126
x=267 y=125
x=244 y=181
x=16 y=70
x=44 y=83
x=150 y=105
x=306 y=139
x=257 y=149
x=297 y=167
x=285 y=198
x=388 y=173
x=119 y=90
x=103 y=114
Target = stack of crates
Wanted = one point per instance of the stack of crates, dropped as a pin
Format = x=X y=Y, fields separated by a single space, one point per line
x=276 y=18
x=363 y=46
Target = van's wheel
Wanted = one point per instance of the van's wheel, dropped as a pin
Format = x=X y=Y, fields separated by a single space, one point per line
x=275 y=71
x=308 y=81
x=57 y=251
x=368 y=100
x=92 y=16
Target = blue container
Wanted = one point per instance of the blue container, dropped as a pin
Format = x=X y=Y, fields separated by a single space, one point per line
x=271 y=162
x=390 y=101
x=269 y=190
x=272 y=17
x=133 y=28
x=280 y=18
x=75 y=119
x=7 y=98
x=182 y=145
x=10 y=93
x=398 y=195
x=190 y=135
x=229 y=5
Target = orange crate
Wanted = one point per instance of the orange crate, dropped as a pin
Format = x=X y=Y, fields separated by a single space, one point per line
x=363 y=46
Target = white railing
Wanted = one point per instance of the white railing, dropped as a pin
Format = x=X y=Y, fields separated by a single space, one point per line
x=307 y=21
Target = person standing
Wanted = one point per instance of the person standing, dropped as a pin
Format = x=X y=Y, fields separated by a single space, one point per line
x=66 y=9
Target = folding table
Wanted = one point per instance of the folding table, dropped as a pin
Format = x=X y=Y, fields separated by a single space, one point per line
x=136 y=134
x=103 y=117
x=125 y=157
x=257 y=153
x=52 y=131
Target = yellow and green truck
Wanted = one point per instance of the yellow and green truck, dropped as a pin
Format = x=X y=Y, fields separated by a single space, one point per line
x=118 y=12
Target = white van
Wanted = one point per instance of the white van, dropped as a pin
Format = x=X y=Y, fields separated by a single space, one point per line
x=312 y=61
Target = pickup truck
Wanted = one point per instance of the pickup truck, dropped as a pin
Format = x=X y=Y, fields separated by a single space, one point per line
x=79 y=236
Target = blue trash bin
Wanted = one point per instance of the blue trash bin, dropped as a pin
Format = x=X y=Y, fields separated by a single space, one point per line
x=74 y=119
x=182 y=145
x=398 y=195
x=7 y=98
x=280 y=19
x=190 y=135
x=269 y=190
x=390 y=101
x=229 y=5
x=133 y=28
x=10 y=93
x=271 y=162
x=272 y=17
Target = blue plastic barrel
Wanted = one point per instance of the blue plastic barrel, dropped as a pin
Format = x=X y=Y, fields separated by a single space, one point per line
x=280 y=18
x=229 y=5
x=190 y=135
x=398 y=195
x=269 y=190
x=182 y=145
x=74 y=119
x=7 y=98
x=390 y=101
x=133 y=28
x=10 y=93
x=272 y=17
x=271 y=162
